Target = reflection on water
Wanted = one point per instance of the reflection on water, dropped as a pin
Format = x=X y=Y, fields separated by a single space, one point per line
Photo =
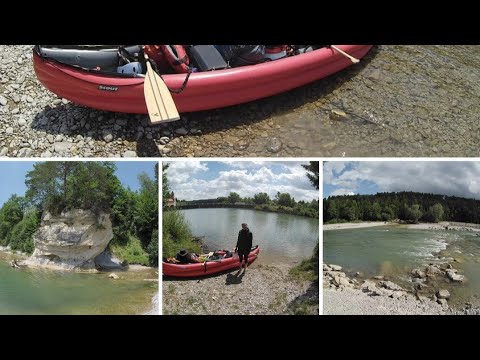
x=34 y=291
x=280 y=236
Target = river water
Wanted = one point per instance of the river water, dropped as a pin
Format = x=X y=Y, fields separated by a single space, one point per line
x=281 y=237
x=394 y=252
x=34 y=291
x=401 y=100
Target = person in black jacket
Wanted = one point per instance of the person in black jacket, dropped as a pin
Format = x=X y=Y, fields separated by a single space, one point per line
x=244 y=245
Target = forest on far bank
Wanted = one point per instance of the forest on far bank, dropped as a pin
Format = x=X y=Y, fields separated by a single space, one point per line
x=412 y=207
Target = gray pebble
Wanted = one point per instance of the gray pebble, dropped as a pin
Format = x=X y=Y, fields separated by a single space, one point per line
x=129 y=154
x=108 y=138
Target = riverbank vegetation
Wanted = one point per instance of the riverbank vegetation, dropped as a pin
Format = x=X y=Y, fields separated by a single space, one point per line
x=176 y=233
x=410 y=207
x=62 y=186
x=282 y=203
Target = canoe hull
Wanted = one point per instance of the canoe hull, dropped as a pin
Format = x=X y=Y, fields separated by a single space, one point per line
x=205 y=91
x=208 y=268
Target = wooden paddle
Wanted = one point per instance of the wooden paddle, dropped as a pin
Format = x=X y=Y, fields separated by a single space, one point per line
x=352 y=59
x=160 y=104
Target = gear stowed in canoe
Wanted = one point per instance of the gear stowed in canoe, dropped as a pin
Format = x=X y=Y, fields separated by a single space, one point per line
x=202 y=77
x=224 y=261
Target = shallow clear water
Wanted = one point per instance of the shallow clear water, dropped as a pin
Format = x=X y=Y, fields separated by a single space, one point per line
x=280 y=236
x=401 y=100
x=33 y=291
x=394 y=252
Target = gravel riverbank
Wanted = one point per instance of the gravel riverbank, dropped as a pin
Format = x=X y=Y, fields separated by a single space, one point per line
x=263 y=290
x=345 y=296
x=399 y=100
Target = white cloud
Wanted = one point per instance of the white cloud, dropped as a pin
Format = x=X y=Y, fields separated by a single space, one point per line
x=179 y=172
x=245 y=180
x=438 y=177
x=342 y=192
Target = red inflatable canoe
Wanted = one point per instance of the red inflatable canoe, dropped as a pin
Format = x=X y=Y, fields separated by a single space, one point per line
x=207 y=268
x=204 y=90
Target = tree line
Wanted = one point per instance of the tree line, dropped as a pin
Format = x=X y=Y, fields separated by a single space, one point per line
x=62 y=186
x=406 y=206
x=282 y=202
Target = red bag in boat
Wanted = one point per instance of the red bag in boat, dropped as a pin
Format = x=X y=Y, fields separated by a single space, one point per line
x=177 y=57
x=155 y=53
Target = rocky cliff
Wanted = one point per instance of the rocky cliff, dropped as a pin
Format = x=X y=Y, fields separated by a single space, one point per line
x=71 y=240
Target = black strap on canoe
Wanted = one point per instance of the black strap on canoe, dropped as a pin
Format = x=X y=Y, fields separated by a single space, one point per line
x=184 y=85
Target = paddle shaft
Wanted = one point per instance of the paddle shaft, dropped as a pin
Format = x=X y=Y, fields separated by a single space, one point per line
x=352 y=59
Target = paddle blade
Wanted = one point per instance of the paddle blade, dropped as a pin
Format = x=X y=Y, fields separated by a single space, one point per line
x=160 y=104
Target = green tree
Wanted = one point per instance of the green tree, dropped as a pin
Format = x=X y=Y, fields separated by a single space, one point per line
x=21 y=236
x=435 y=213
x=59 y=186
x=146 y=214
x=11 y=214
x=166 y=193
x=284 y=199
x=333 y=210
x=414 y=213
x=376 y=211
x=312 y=172
x=233 y=198
x=261 y=198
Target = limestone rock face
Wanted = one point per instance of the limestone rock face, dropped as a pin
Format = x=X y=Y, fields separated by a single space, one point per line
x=71 y=240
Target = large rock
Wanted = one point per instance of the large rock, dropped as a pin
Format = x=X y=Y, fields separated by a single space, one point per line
x=342 y=281
x=389 y=285
x=433 y=270
x=418 y=273
x=443 y=294
x=452 y=275
x=106 y=260
x=70 y=240
x=369 y=285
x=335 y=267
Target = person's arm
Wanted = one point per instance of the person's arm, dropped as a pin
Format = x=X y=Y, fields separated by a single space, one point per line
x=250 y=241
x=238 y=240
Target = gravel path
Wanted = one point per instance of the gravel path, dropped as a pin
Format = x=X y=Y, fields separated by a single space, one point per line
x=355 y=302
x=264 y=290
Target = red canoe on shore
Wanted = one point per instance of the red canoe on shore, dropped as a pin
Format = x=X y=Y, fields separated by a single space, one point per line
x=204 y=90
x=207 y=268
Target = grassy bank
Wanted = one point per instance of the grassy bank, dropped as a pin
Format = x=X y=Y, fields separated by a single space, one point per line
x=307 y=270
x=177 y=234
x=130 y=251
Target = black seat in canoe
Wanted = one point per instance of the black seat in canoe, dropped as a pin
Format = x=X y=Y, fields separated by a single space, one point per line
x=106 y=59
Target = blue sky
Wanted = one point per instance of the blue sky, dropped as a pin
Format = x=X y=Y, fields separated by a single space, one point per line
x=454 y=178
x=12 y=175
x=193 y=180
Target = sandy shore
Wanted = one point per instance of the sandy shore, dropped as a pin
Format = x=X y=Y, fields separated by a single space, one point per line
x=359 y=225
x=263 y=290
x=446 y=225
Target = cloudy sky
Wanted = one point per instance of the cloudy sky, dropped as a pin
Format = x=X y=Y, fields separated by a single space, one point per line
x=12 y=175
x=459 y=178
x=194 y=180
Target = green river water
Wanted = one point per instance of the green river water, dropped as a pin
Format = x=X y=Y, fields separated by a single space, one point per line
x=35 y=291
x=281 y=237
x=395 y=251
